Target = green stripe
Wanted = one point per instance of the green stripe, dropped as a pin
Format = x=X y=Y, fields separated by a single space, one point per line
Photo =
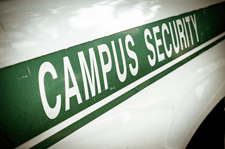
x=77 y=125
x=21 y=97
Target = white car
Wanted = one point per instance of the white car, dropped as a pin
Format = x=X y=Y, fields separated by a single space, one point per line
x=111 y=74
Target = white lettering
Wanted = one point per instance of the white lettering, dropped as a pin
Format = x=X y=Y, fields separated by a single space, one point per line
x=50 y=112
x=158 y=43
x=195 y=26
x=176 y=47
x=85 y=72
x=150 y=47
x=70 y=92
x=105 y=67
x=181 y=33
x=185 y=29
x=131 y=54
x=168 y=52
x=189 y=26
x=121 y=76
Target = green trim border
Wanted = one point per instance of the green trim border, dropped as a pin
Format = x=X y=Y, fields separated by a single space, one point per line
x=90 y=117
x=29 y=87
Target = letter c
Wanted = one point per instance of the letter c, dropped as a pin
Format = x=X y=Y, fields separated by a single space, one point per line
x=50 y=112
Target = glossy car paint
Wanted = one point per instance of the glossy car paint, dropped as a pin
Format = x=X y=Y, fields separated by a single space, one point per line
x=164 y=114
x=167 y=112
x=30 y=29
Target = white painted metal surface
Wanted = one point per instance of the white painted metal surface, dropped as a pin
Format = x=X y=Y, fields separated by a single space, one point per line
x=164 y=114
x=30 y=29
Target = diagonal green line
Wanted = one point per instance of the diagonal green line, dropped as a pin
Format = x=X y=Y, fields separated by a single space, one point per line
x=85 y=120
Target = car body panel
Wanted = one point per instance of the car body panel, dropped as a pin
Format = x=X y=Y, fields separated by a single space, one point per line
x=166 y=120
x=162 y=114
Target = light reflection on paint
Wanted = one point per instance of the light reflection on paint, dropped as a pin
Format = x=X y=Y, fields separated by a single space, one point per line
x=198 y=100
x=55 y=26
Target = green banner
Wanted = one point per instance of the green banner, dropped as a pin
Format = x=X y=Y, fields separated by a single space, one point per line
x=41 y=93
